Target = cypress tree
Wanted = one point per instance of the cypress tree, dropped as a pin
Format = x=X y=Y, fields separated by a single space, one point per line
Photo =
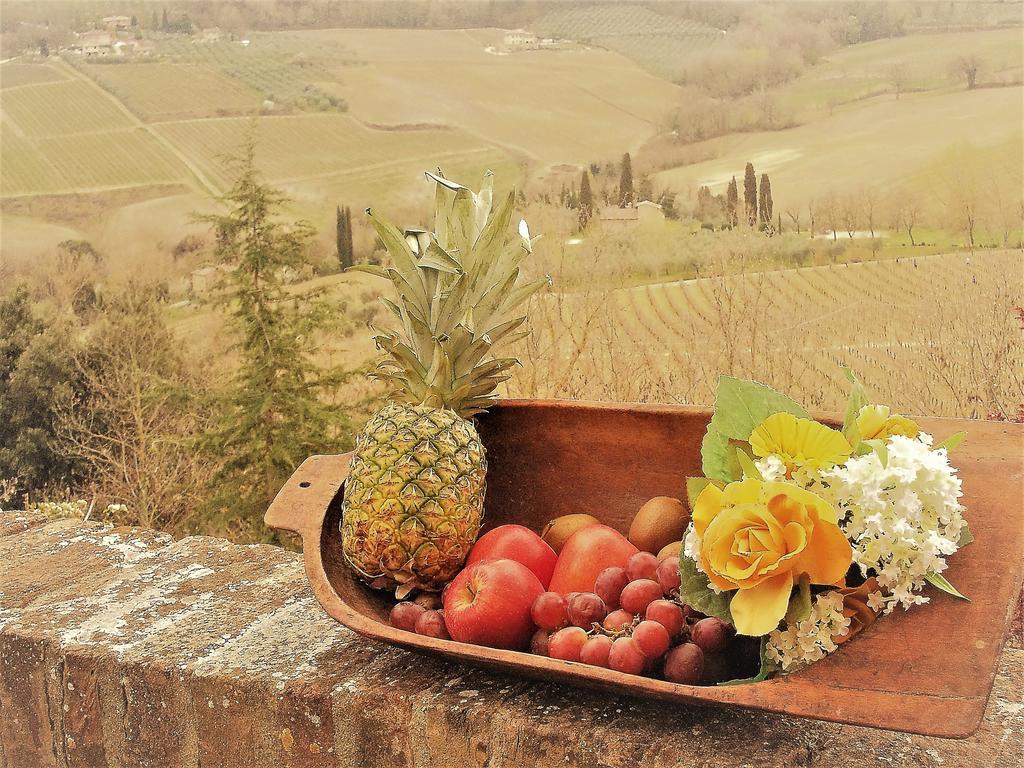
x=586 y=201
x=339 y=237
x=732 y=202
x=646 y=188
x=350 y=250
x=764 y=202
x=164 y=24
x=626 y=194
x=270 y=416
x=750 y=194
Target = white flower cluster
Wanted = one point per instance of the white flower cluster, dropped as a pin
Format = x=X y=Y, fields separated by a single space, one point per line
x=903 y=517
x=773 y=469
x=811 y=639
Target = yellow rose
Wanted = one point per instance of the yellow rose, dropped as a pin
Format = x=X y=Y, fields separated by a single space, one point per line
x=758 y=538
x=875 y=422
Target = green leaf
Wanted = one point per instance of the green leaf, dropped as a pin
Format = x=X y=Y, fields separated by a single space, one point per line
x=940 y=581
x=695 y=592
x=966 y=537
x=740 y=406
x=951 y=442
x=858 y=399
x=768 y=668
x=747 y=465
x=800 y=603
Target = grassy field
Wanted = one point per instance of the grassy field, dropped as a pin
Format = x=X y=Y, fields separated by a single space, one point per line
x=559 y=106
x=883 y=142
x=300 y=146
x=947 y=323
x=66 y=135
x=657 y=42
x=14 y=75
x=163 y=90
x=61 y=109
x=921 y=62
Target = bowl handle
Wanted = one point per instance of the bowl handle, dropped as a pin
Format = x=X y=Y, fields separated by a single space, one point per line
x=302 y=502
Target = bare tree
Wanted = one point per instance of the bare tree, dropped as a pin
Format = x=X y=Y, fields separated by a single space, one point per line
x=869 y=202
x=133 y=427
x=967 y=67
x=830 y=211
x=906 y=212
x=897 y=75
x=848 y=214
x=793 y=214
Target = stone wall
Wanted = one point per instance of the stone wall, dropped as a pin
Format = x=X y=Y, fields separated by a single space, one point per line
x=123 y=647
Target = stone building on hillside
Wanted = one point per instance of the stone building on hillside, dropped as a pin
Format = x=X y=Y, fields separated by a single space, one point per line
x=650 y=213
x=521 y=40
x=117 y=22
x=622 y=219
x=210 y=35
x=96 y=43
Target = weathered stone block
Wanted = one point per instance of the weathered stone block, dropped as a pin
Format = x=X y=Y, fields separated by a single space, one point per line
x=124 y=648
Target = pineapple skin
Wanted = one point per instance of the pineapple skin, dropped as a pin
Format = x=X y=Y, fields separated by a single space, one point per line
x=414 y=497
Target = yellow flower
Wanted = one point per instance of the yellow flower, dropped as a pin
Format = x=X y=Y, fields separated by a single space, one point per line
x=799 y=442
x=758 y=538
x=875 y=422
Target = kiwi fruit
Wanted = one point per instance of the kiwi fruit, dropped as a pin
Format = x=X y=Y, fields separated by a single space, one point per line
x=558 y=531
x=660 y=521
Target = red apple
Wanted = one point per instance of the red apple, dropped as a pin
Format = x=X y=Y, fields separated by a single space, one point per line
x=588 y=552
x=488 y=603
x=515 y=542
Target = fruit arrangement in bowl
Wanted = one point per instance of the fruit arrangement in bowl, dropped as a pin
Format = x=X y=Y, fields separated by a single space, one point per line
x=797 y=536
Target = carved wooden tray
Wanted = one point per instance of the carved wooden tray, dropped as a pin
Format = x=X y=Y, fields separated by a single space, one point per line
x=929 y=671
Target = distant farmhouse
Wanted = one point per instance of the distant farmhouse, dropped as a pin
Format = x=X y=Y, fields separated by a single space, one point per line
x=621 y=219
x=117 y=22
x=96 y=43
x=523 y=40
x=99 y=43
x=210 y=35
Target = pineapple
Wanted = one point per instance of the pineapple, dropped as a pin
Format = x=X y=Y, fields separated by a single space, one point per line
x=414 y=497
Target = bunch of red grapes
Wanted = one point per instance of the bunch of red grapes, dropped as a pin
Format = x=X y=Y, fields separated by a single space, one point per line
x=634 y=622
x=423 y=615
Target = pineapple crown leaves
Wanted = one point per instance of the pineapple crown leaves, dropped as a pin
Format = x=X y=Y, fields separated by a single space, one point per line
x=458 y=296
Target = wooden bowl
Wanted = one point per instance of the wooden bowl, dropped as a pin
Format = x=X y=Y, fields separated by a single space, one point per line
x=929 y=671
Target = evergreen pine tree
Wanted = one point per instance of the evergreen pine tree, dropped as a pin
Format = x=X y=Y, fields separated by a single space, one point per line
x=586 y=201
x=626 y=194
x=164 y=24
x=732 y=202
x=764 y=202
x=750 y=195
x=270 y=416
